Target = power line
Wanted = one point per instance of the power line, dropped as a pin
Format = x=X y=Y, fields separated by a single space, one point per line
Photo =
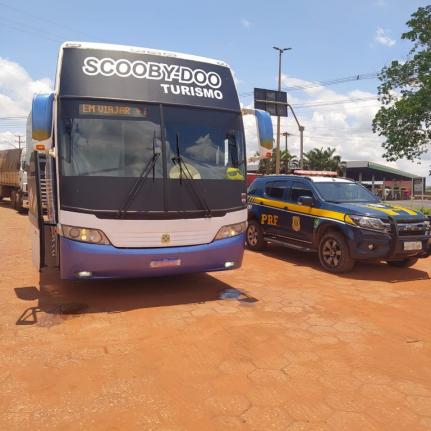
x=358 y=77
x=334 y=102
x=21 y=117
x=38 y=32
x=343 y=80
x=52 y=22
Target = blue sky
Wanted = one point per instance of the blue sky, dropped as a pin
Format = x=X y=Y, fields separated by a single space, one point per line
x=330 y=39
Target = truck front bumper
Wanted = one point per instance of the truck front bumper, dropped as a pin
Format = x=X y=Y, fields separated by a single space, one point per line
x=93 y=261
x=370 y=245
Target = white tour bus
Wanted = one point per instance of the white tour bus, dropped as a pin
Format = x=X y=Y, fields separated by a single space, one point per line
x=138 y=164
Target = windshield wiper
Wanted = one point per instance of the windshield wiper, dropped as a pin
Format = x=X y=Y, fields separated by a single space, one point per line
x=149 y=167
x=184 y=170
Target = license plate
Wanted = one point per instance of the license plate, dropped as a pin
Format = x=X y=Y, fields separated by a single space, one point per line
x=413 y=245
x=163 y=263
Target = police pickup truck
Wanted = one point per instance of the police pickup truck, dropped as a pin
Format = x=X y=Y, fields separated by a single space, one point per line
x=338 y=218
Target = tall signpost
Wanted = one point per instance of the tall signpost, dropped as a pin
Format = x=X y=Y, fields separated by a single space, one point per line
x=275 y=103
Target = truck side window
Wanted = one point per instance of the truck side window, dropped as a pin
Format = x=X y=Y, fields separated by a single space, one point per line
x=252 y=188
x=277 y=189
x=300 y=189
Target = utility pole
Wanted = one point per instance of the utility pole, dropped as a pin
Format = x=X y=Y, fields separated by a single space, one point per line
x=301 y=146
x=277 y=151
x=19 y=140
x=286 y=134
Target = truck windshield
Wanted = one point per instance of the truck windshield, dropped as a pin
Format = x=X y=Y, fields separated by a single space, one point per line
x=338 y=192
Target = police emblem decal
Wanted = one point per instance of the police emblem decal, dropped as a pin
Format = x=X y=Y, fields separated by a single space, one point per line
x=296 y=223
x=165 y=239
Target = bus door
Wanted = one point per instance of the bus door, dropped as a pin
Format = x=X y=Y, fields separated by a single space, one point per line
x=44 y=239
x=299 y=225
x=273 y=216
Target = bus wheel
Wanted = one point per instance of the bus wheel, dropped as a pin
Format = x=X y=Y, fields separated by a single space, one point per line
x=405 y=263
x=334 y=253
x=254 y=236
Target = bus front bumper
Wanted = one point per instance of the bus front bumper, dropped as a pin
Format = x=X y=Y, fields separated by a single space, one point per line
x=80 y=260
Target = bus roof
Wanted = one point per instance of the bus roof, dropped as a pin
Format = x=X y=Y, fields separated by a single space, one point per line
x=142 y=50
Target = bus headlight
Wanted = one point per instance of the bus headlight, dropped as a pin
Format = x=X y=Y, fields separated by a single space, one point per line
x=83 y=234
x=231 y=230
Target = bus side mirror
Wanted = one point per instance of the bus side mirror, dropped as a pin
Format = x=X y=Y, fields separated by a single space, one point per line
x=264 y=131
x=41 y=121
x=306 y=201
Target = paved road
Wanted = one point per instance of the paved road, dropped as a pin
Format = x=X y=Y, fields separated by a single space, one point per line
x=276 y=345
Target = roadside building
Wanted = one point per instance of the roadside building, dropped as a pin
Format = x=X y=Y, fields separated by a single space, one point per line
x=386 y=182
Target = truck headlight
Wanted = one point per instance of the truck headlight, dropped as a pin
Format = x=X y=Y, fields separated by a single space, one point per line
x=83 y=234
x=372 y=223
x=231 y=230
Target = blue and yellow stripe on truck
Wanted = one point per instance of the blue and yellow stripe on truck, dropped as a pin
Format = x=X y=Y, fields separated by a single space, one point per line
x=311 y=211
x=390 y=210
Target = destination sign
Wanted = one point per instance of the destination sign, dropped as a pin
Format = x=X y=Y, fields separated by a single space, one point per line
x=114 y=110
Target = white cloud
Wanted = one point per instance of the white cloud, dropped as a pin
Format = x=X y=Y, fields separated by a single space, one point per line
x=245 y=23
x=382 y=38
x=16 y=93
x=345 y=126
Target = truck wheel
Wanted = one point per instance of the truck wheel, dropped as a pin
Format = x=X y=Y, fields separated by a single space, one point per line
x=405 y=263
x=19 y=202
x=13 y=199
x=254 y=236
x=334 y=253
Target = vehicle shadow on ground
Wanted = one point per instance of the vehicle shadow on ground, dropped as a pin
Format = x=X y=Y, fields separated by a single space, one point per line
x=367 y=271
x=64 y=297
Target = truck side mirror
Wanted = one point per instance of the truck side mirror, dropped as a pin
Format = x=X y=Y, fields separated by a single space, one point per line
x=306 y=201
x=41 y=121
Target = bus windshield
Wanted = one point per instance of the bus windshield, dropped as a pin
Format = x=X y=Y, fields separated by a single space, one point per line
x=340 y=192
x=113 y=139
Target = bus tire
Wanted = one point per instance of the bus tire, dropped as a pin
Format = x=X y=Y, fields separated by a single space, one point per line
x=254 y=236
x=404 y=263
x=334 y=255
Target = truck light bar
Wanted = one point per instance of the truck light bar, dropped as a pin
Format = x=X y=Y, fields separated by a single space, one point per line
x=315 y=173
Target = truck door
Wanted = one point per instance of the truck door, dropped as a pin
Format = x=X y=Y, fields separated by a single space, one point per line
x=300 y=223
x=273 y=214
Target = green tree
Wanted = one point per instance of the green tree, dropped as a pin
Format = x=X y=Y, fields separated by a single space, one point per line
x=267 y=166
x=319 y=159
x=404 y=118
